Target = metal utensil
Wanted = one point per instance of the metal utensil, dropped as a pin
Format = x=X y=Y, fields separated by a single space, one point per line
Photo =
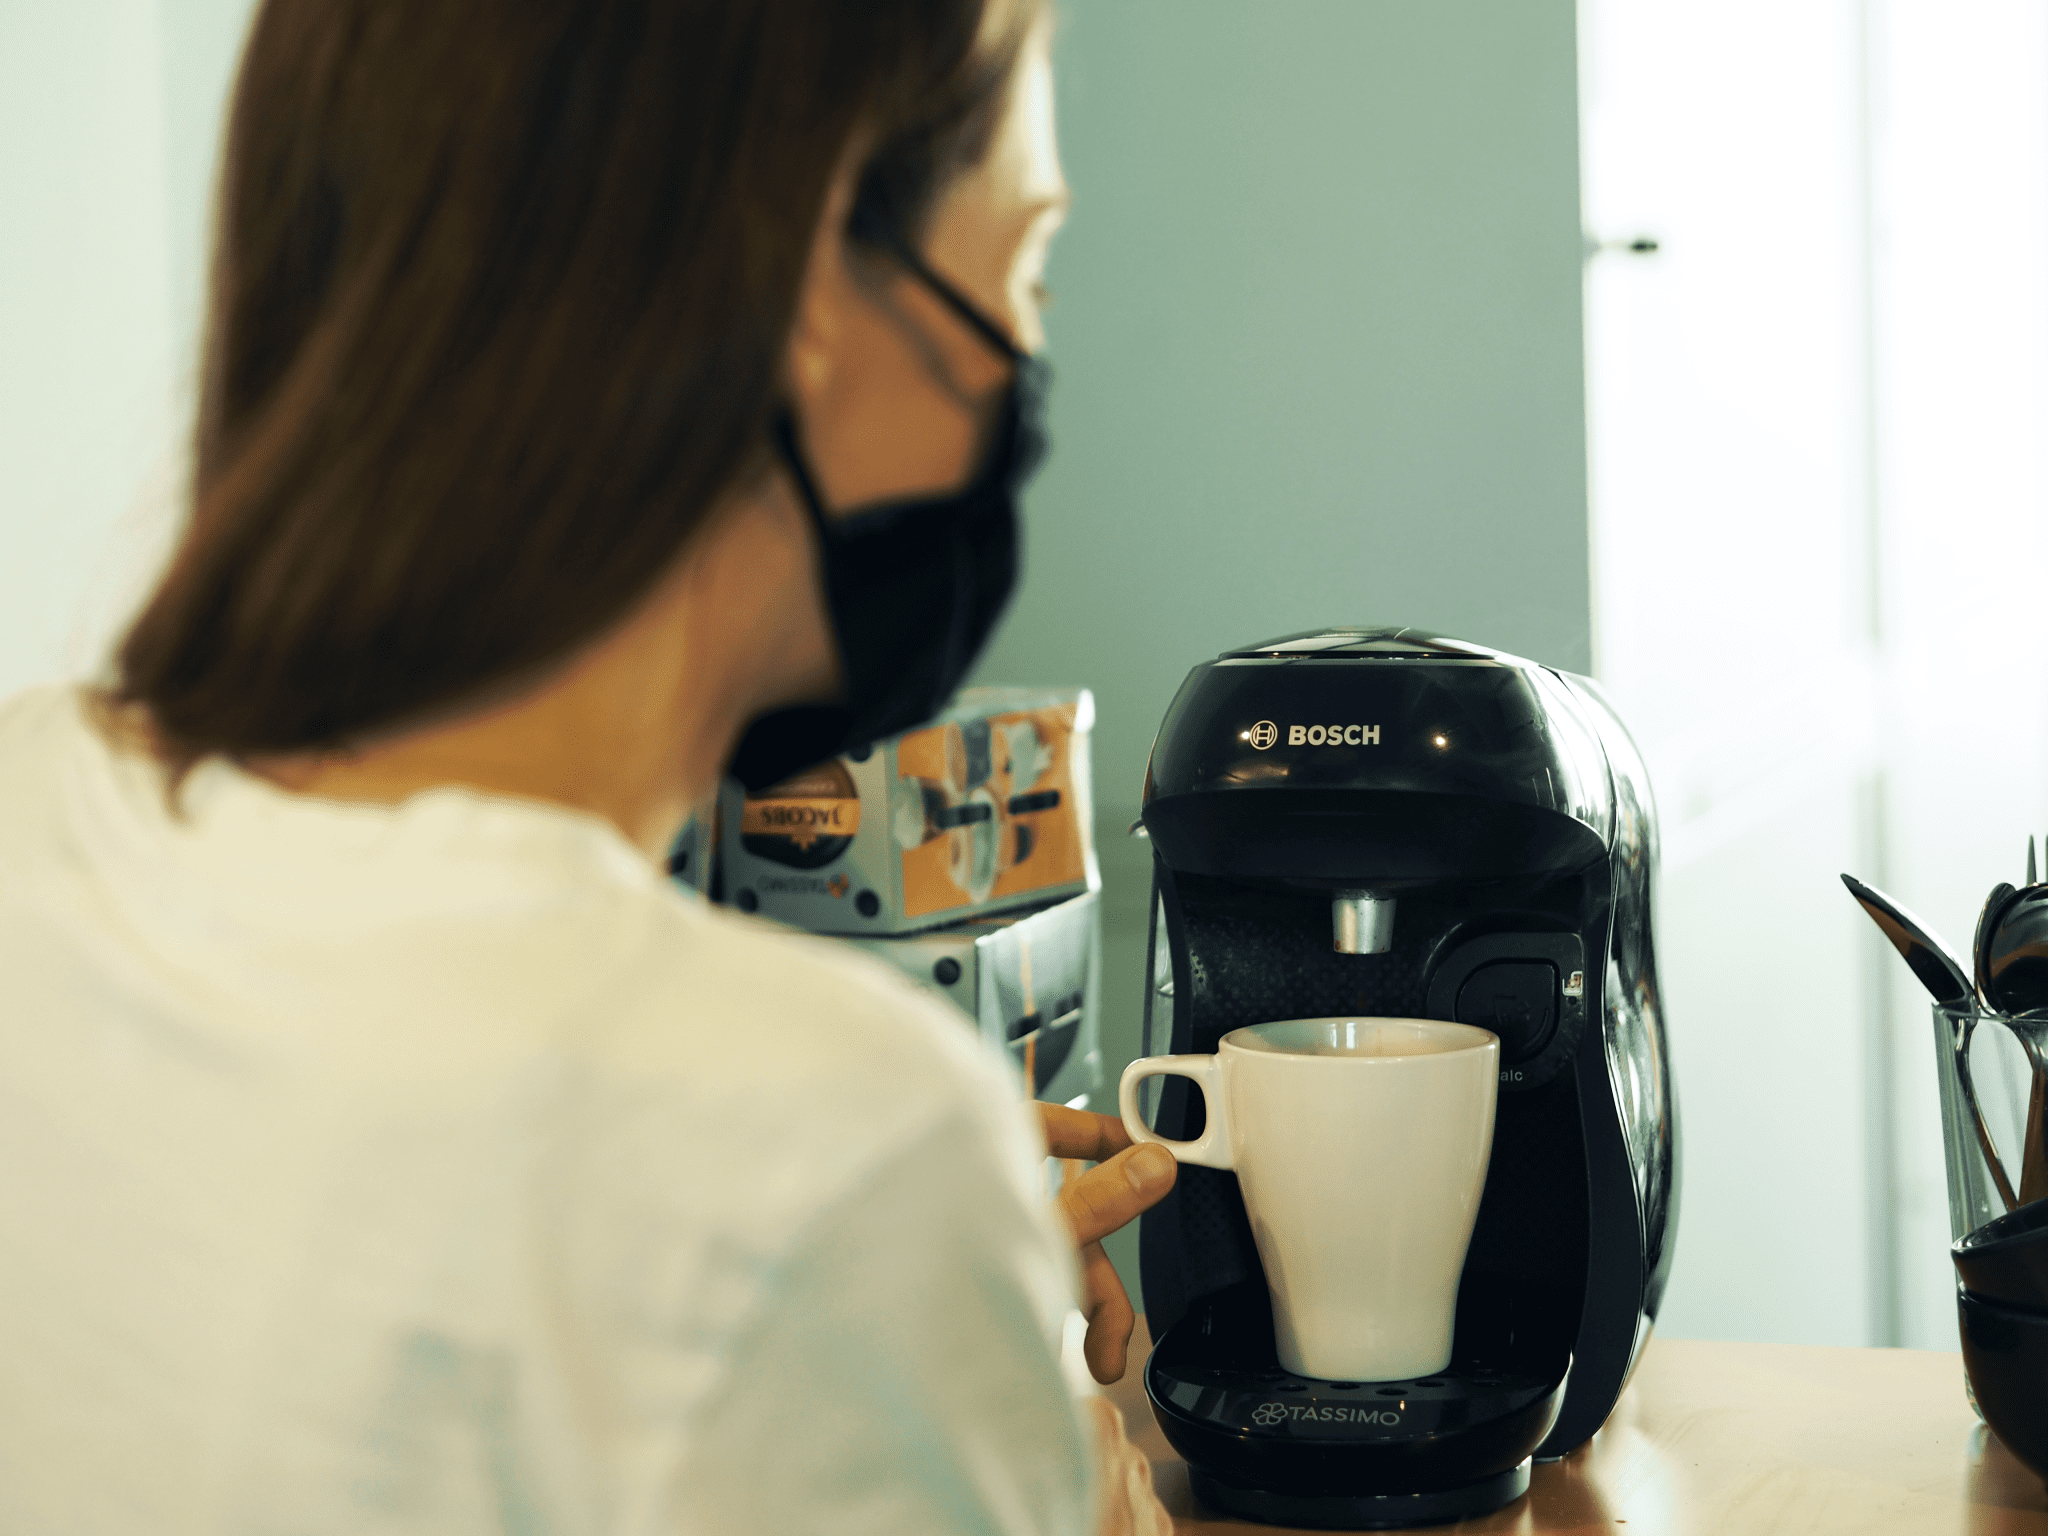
x=2012 y=960
x=1962 y=1021
x=2012 y=976
x=1933 y=962
x=2033 y=1036
x=1943 y=975
x=1980 y=946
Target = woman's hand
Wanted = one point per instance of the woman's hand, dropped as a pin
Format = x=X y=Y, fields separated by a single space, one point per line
x=1126 y=1182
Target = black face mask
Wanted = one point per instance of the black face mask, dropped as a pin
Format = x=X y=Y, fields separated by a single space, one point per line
x=912 y=588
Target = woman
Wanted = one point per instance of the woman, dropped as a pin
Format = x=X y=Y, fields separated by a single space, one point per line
x=598 y=395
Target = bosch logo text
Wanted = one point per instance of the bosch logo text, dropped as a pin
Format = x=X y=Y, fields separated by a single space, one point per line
x=1333 y=735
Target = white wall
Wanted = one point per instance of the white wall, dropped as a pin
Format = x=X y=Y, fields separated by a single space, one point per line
x=201 y=44
x=1817 y=511
x=1732 y=623
x=1960 y=231
x=109 y=111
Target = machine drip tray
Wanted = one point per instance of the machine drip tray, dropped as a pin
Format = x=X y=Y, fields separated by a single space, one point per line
x=1361 y=1511
x=1266 y=1444
x=1277 y=1406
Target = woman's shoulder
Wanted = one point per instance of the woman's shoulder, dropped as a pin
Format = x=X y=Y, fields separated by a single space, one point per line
x=742 y=1018
x=760 y=1000
x=38 y=720
x=782 y=1075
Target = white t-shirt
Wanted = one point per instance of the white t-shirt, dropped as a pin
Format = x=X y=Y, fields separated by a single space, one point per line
x=442 y=1169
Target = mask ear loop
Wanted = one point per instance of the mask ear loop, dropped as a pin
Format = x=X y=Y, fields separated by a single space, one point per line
x=783 y=432
x=867 y=225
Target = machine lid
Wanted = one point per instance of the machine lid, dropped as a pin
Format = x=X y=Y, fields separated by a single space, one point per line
x=1392 y=743
x=1382 y=644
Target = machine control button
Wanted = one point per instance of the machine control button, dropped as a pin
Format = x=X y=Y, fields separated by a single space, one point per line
x=1517 y=1000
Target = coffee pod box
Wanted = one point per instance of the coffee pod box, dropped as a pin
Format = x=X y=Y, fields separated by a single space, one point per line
x=987 y=809
x=691 y=856
x=1030 y=982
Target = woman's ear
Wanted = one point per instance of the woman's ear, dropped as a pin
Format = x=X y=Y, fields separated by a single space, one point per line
x=814 y=334
x=818 y=329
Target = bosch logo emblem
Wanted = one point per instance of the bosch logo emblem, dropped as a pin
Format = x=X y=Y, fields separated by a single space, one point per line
x=1269 y=1413
x=1266 y=734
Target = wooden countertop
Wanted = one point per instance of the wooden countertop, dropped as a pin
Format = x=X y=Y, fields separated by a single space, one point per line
x=1725 y=1439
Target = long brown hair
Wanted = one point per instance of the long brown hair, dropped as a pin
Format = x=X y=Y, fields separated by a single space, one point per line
x=500 y=294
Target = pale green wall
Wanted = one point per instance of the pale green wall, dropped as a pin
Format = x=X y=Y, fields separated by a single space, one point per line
x=1318 y=350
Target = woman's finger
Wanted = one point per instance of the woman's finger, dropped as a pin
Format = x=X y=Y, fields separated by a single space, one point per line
x=1113 y=1194
x=1078 y=1133
x=1107 y=1307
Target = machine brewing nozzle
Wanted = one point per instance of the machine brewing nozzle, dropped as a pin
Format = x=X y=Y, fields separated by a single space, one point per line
x=1362 y=923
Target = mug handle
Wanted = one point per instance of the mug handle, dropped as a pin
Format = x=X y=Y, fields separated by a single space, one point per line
x=1211 y=1149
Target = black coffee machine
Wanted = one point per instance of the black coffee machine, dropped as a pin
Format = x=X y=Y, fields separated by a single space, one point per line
x=1382 y=822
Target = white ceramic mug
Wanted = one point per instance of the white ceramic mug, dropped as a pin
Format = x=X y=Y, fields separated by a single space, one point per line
x=1360 y=1146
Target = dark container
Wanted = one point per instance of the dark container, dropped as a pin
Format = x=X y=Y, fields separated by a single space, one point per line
x=2006 y=1260
x=2005 y=1353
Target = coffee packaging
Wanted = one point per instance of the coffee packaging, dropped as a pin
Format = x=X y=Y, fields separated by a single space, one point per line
x=1031 y=983
x=986 y=809
x=691 y=856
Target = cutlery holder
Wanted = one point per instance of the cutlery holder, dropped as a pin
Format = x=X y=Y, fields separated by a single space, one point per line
x=1989 y=1108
